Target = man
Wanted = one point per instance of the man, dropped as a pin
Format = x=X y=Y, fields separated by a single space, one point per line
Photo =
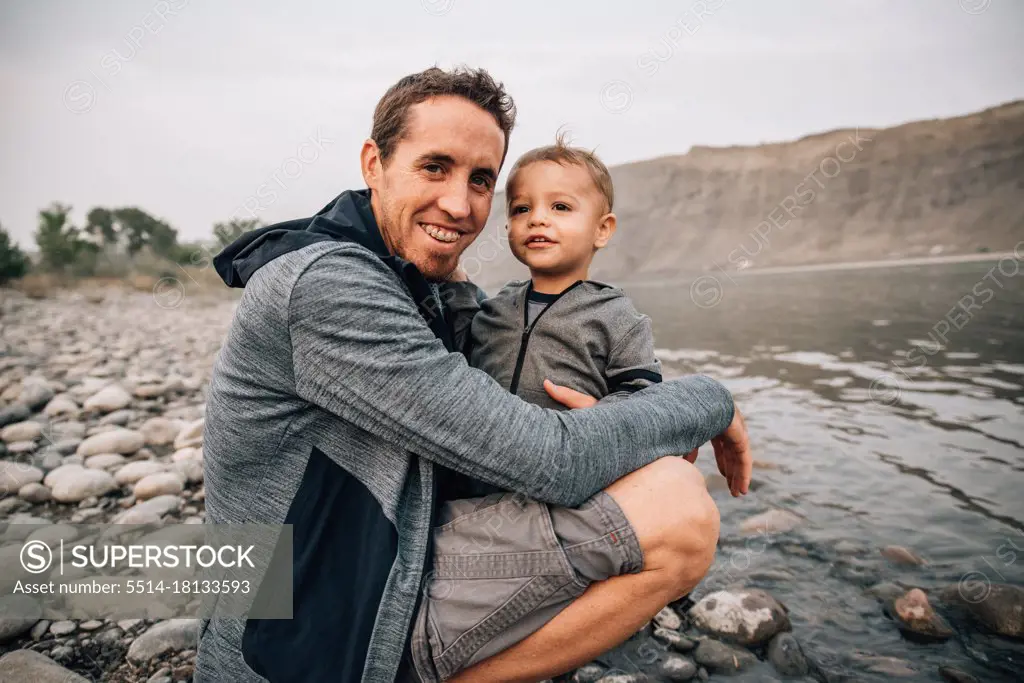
x=337 y=405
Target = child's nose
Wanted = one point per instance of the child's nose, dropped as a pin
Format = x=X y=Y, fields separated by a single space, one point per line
x=539 y=217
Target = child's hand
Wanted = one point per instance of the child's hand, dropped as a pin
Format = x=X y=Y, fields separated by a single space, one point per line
x=570 y=398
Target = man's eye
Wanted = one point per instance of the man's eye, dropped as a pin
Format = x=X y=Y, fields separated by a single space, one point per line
x=433 y=168
x=481 y=181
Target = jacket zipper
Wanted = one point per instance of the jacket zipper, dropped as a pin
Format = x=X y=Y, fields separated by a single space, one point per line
x=528 y=330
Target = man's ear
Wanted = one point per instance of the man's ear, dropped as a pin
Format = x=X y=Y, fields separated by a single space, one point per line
x=605 y=230
x=371 y=164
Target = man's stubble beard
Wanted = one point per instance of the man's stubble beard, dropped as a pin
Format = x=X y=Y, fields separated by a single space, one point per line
x=432 y=268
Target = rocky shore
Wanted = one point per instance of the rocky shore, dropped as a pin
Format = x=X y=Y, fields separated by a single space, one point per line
x=101 y=421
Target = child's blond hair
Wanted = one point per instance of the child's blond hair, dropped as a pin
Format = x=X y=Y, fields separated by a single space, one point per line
x=563 y=154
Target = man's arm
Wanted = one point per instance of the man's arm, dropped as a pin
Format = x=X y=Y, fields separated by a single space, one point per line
x=361 y=350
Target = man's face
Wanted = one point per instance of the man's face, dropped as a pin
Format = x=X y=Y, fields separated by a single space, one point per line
x=433 y=196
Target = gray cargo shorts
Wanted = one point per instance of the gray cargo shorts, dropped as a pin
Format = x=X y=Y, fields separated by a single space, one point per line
x=505 y=565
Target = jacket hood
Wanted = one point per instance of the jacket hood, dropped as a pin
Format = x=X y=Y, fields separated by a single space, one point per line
x=347 y=217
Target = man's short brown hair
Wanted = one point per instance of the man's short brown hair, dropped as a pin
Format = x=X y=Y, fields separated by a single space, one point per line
x=561 y=153
x=391 y=115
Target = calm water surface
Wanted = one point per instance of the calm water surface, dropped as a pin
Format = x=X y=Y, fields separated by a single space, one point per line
x=877 y=431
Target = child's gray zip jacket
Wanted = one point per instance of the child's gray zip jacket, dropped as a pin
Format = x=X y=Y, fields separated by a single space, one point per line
x=589 y=338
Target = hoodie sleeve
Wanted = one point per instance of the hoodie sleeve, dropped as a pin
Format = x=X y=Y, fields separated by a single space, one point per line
x=361 y=350
x=632 y=365
x=463 y=300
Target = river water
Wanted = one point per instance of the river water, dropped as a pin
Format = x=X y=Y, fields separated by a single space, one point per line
x=883 y=412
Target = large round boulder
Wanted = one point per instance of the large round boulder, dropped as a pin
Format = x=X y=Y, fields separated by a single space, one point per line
x=998 y=606
x=746 y=617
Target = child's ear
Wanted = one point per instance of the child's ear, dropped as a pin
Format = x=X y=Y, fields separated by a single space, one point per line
x=605 y=230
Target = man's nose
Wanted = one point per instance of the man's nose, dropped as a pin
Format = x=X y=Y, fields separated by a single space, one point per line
x=455 y=201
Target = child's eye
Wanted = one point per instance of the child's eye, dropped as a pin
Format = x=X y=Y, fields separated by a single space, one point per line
x=559 y=206
x=518 y=209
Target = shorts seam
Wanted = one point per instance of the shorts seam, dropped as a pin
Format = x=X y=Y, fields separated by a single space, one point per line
x=563 y=555
x=529 y=563
x=469 y=516
x=633 y=565
x=606 y=516
x=422 y=661
x=602 y=539
x=603 y=511
x=470 y=642
x=516 y=553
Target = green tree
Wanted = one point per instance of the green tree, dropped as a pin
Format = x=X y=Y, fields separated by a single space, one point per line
x=61 y=247
x=139 y=229
x=228 y=231
x=131 y=229
x=13 y=262
x=100 y=224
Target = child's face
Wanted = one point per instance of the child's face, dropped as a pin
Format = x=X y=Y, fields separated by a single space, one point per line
x=557 y=217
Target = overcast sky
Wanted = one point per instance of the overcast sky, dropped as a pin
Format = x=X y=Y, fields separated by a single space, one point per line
x=186 y=108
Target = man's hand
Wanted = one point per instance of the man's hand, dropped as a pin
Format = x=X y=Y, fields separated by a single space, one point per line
x=570 y=398
x=732 y=451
